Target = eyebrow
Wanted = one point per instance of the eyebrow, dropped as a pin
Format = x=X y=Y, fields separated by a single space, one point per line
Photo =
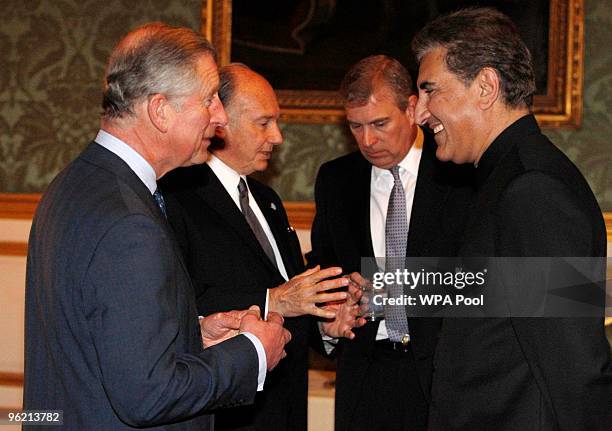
x=265 y=117
x=378 y=120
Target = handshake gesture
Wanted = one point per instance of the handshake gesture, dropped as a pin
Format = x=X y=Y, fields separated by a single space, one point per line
x=219 y=327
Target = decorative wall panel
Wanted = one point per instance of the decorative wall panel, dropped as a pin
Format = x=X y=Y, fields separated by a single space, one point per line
x=52 y=56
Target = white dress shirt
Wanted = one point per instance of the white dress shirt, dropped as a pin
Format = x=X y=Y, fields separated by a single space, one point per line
x=381 y=184
x=147 y=175
x=230 y=179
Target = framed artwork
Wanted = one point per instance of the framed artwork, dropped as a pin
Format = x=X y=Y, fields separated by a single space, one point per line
x=304 y=47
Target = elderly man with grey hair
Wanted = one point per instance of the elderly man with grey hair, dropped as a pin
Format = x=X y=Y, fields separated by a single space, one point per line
x=112 y=333
x=217 y=209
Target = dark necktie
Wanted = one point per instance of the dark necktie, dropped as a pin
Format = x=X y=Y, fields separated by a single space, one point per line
x=159 y=199
x=396 y=238
x=251 y=219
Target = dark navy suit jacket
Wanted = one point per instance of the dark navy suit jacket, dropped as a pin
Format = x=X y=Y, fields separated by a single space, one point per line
x=112 y=335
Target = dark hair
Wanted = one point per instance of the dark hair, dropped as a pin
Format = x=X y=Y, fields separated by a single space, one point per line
x=368 y=74
x=475 y=38
x=154 y=58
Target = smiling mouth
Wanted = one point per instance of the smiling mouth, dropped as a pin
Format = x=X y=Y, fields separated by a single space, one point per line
x=437 y=129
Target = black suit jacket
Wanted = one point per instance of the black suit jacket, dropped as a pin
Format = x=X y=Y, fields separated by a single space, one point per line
x=526 y=373
x=230 y=270
x=112 y=336
x=341 y=236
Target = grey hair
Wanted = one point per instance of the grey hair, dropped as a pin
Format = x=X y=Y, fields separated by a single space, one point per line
x=153 y=59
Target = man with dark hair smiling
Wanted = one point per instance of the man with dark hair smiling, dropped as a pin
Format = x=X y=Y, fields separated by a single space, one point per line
x=476 y=85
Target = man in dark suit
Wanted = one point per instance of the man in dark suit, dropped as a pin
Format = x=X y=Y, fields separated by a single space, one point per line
x=384 y=375
x=476 y=84
x=241 y=250
x=112 y=334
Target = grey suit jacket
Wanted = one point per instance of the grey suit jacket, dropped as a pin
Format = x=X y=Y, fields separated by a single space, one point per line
x=112 y=336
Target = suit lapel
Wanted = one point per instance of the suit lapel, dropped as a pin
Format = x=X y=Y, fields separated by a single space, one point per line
x=216 y=197
x=363 y=198
x=280 y=230
x=109 y=161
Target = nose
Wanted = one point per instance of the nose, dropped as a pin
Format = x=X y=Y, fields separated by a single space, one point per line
x=276 y=137
x=218 y=117
x=421 y=112
x=369 y=137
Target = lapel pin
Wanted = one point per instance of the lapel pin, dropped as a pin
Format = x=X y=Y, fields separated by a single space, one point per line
x=290 y=229
x=273 y=206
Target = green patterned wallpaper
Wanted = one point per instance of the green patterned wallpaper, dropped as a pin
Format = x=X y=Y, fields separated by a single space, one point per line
x=591 y=146
x=52 y=56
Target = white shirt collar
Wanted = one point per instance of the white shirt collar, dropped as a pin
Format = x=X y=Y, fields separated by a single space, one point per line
x=409 y=164
x=228 y=177
x=134 y=160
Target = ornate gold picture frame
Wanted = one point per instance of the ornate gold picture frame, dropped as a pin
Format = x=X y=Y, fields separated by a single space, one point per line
x=560 y=105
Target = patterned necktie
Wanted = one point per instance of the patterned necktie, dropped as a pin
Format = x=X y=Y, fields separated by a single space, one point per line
x=161 y=203
x=251 y=219
x=396 y=237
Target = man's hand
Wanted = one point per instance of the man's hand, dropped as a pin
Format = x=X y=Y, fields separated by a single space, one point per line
x=218 y=327
x=271 y=333
x=302 y=293
x=346 y=312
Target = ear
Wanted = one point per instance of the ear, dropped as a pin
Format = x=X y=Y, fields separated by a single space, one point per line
x=411 y=108
x=488 y=87
x=158 y=110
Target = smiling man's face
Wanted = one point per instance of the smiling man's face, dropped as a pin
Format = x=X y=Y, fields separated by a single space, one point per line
x=449 y=108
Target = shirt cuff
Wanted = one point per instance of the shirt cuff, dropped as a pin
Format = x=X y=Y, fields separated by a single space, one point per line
x=265 y=315
x=329 y=343
x=261 y=356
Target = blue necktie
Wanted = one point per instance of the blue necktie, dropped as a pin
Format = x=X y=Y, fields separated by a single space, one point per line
x=159 y=199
